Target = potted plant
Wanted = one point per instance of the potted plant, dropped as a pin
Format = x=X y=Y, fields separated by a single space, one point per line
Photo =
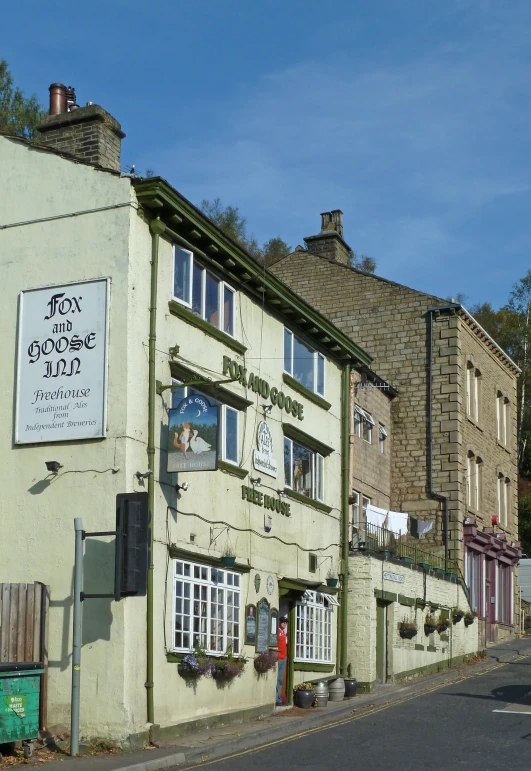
x=331 y=579
x=304 y=695
x=408 y=629
x=228 y=559
x=430 y=624
x=469 y=617
x=443 y=623
x=406 y=560
x=228 y=667
x=265 y=661
x=196 y=664
x=457 y=615
x=425 y=566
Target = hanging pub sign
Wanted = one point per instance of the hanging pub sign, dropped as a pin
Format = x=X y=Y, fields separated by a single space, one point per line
x=193 y=435
x=62 y=362
x=263 y=457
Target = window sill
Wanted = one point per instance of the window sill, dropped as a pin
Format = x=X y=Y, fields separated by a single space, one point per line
x=177 y=552
x=232 y=469
x=191 y=318
x=307 y=440
x=310 y=395
x=308 y=501
x=473 y=422
x=503 y=447
x=308 y=666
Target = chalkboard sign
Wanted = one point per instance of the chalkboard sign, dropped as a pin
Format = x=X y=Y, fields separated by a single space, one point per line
x=262 y=638
x=250 y=624
x=273 y=633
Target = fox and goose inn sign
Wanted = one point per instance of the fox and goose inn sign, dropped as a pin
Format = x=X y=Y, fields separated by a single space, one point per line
x=62 y=362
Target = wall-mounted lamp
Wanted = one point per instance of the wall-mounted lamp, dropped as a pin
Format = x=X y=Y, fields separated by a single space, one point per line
x=184 y=487
x=140 y=476
x=282 y=493
x=53 y=466
x=256 y=482
x=267 y=408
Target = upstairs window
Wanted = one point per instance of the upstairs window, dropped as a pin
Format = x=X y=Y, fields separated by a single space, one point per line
x=303 y=363
x=382 y=436
x=473 y=481
x=303 y=470
x=363 y=423
x=503 y=499
x=502 y=418
x=473 y=377
x=200 y=290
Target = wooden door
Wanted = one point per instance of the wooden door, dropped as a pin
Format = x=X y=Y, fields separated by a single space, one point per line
x=381 y=641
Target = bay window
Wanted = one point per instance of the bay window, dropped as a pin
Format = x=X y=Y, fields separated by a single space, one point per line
x=228 y=438
x=303 y=363
x=303 y=470
x=207 y=296
x=313 y=628
x=206 y=608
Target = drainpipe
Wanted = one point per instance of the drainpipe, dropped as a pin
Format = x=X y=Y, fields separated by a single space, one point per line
x=345 y=488
x=433 y=493
x=156 y=227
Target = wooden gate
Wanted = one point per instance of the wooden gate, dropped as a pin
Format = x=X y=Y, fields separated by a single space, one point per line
x=24 y=613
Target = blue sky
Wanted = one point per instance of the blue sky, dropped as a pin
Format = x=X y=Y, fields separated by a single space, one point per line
x=413 y=117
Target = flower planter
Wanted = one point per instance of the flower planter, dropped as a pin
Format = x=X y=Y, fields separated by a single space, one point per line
x=224 y=674
x=451 y=575
x=387 y=554
x=407 y=560
x=425 y=566
x=429 y=629
x=303 y=699
x=442 y=628
x=468 y=621
x=456 y=617
x=351 y=688
x=332 y=581
x=187 y=672
x=408 y=634
x=439 y=571
x=228 y=562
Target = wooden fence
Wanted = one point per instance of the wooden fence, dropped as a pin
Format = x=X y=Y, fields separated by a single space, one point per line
x=24 y=615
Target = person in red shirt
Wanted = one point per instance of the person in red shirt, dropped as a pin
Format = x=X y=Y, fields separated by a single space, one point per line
x=282 y=655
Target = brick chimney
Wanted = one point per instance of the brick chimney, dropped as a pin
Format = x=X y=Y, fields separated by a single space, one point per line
x=329 y=242
x=89 y=133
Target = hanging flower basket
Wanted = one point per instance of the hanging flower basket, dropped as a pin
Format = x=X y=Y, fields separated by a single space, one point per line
x=408 y=631
x=442 y=626
x=265 y=661
x=332 y=581
x=228 y=561
x=457 y=615
x=228 y=667
x=469 y=618
x=429 y=629
x=188 y=672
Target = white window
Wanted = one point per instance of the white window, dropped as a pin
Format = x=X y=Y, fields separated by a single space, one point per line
x=313 y=632
x=363 y=423
x=473 y=376
x=356 y=509
x=206 y=608
x=199 y=289
x=473 y=578
x=303 y=363
x=502 y=418
x=358 y=420
x=473 y=481
x=303 y=470
x=228 y=437
x=503 y=498
x=382 y=436
x=365 y=503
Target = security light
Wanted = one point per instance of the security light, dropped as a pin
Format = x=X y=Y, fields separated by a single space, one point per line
x=256 y=482
x=53 y=466
x=267 y=408
x=184 y=487
x=139 y=475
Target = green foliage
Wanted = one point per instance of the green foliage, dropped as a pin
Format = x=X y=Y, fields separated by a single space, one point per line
x=19 y=115
x=233 y=224
x=524 y=523
x=362 y=262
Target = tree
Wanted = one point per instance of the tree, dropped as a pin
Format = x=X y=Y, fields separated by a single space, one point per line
x=19 y=115
x=233 y=224
x=362 y=262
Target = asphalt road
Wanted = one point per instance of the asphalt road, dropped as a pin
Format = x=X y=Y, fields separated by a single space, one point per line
x=454 y=727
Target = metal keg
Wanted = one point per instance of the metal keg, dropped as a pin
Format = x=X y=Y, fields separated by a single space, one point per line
x=321 y=693
x=336 y=689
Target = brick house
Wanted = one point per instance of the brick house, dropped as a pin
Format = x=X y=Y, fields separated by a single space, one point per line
x=453 y=423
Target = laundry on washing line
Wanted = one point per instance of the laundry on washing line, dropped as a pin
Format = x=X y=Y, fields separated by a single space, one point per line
x=420 y=527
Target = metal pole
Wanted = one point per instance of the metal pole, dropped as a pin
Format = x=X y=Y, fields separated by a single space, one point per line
x=76 y=638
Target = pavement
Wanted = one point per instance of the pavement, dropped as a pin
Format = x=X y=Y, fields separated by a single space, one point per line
x=205 y=747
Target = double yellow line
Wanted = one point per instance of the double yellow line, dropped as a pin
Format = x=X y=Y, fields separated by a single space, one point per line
x=367 y=713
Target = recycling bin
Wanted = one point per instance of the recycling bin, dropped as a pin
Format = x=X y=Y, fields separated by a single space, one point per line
x=20 y=690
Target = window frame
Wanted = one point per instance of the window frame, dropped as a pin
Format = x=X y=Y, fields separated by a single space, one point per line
x=382 y=436
x=313 y=609
x=225 y=586
x=224 y=408
x=504 y=594
x=473 y=391
x=317 y=471
x=474 y=569
x=356 y=522
x=222 y=287
x=474 y=474
x=503 y=498
x=317 y=357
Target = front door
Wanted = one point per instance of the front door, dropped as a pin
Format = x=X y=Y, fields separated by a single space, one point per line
x=381 y=641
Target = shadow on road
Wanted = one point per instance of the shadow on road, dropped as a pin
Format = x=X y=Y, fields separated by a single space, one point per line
x=511 y=694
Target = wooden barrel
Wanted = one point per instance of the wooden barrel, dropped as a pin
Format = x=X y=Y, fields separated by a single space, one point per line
x=321 y=693
x=336 y=689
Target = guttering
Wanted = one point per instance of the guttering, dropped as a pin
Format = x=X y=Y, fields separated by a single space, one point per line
x=156 y=228
x=345 y=489
x=433 y=493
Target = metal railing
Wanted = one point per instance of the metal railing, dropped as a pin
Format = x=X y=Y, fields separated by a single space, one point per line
x=372 y=538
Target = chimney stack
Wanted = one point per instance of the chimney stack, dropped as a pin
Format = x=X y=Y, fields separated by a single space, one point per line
x=329 y=242
x=89 y=133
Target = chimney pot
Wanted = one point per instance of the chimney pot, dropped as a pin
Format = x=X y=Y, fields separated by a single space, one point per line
x=57 y=99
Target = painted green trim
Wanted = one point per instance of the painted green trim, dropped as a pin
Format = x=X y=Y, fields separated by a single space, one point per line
x=310 y=395
x=185 y=374
x=307 y=666
x=432 y=649
x=444 y=638
x=155 y=193
x=207 y=559
x=419 y=647
x=325 y=589
x=309 y=441
x=175 y=658
x=294 y=585
x=344 y=666
x=403 y=600
x=230 y=468
x=308 y=501
x=176 y=309
x=387 y=596
x=367 y=687
x=290 y=678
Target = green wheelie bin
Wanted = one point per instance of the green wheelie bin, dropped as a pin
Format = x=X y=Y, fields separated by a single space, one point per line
x=20 y=689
